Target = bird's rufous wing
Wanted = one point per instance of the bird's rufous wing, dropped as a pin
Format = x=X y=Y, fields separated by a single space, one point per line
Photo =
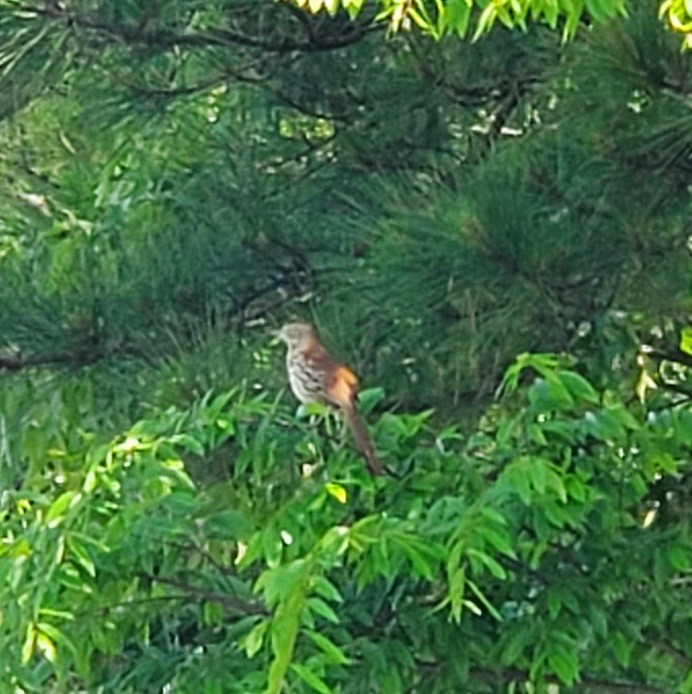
x=343 y=386
x=340 y=383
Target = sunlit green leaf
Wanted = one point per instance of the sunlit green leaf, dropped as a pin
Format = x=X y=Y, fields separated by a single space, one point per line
x=328 y=647
x=60 y=505
x=315 y=682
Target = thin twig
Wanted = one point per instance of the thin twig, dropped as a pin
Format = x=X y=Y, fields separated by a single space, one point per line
x=233 y=603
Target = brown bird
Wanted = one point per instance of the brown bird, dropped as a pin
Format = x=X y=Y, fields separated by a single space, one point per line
x=315 y=376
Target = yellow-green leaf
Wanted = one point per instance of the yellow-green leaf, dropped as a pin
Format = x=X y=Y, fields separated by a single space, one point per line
x=337 y=491
x=686 y=340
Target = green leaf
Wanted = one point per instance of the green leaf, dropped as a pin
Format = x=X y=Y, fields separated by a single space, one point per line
x=538 y=470
x=549 y=394
x=686 y=333
x=537 y=434
x=574 y=14
x=564 y=430
x=456 y=17
x=515 y=475
x=543 y=532
x=59 y=614
x=622 y=648
x=579 y=387
x=488 y=605
x=280 y=581
x=311 y=679
x=575 y=488
x=286 y=623
x=47 y=647
x=680 y=558
x=329 y=648
x=59 y=506
x=212 y=614
x=321 y=608
x=57 y=636
x=554 y=602
x=556 y=514
x=29 y=644
x=599 y=620
x=499 y=539
x=332 y=7
x=493 y=515
x=609 y=424
x=313 y=408
x=214 y=409
x=551 y=12
x=324 y=587
x=686 y=686
x=81 y=554
x=337 y=491
x=424 y=556
x=485 y=21
x=563 y=663
x=505 y=432
x=368 y=398
x=554 y=482
x=622 y=415
x=252 y=642
x=495 y=568
x=189 y=443
x=456 y=580
x=515 y=646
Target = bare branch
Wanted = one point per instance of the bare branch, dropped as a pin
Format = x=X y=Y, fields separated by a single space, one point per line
x=229 y=601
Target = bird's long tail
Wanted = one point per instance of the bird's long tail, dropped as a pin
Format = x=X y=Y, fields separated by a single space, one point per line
x=363 y=441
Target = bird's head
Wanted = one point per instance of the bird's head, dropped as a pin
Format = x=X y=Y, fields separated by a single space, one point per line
x=297 y=335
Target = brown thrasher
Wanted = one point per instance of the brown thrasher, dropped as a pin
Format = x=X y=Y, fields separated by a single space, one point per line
x=315 y=376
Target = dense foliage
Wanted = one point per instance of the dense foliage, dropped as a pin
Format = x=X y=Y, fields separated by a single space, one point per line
x=500 y=556
x=443 y=17
x=457 y=16
x=495 y=234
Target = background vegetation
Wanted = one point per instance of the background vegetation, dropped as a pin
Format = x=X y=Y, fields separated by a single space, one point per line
x=496 y=235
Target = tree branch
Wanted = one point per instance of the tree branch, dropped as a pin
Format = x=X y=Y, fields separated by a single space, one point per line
x=167 y=39
x=229 y=601
x=674 y=355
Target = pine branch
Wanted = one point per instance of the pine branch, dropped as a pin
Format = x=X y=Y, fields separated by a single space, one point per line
x=166 y=39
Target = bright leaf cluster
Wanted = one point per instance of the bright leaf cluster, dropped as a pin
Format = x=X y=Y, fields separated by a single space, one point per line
x=548 y=544
x=459 y=17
